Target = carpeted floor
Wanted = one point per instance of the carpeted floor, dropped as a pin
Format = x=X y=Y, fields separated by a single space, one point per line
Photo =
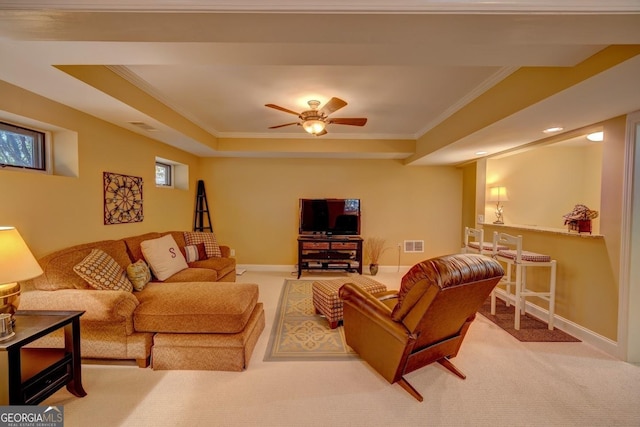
x=531 y=329
x=509 y=383
x=299 y=333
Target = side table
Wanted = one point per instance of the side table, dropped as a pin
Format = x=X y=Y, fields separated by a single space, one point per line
x=30 y=375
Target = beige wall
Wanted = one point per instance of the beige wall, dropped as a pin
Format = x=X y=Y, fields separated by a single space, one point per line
x=545 y=183
x=53 y=211
x=255 y=204
x=469 y=175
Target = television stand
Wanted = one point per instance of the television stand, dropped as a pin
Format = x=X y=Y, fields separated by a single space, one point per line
x=329 y=253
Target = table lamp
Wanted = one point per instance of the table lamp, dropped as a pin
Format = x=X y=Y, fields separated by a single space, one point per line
x=498 y=194
x=16 y=263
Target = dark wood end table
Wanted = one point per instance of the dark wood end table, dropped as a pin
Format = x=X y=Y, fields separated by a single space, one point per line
x=30 y=375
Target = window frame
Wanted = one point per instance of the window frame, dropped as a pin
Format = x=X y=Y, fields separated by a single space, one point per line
x=40 y=149
x=169 y=173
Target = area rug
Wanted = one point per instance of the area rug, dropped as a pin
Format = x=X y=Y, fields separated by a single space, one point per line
x=299 y=333
x=531 y=329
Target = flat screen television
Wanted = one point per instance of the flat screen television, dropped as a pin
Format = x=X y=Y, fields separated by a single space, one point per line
x=339 y=217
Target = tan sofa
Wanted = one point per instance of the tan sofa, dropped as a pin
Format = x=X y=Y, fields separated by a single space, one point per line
x=190 y=317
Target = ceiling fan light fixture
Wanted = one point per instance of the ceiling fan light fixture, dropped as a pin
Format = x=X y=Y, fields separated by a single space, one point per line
x=314 y=121
x=314 y=126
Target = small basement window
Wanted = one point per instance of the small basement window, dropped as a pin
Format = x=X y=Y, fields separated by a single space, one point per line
x=164 y=174
x=171 y=174
x=22 y=147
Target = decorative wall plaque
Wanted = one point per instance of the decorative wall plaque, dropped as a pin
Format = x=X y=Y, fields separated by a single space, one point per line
x=122 y=198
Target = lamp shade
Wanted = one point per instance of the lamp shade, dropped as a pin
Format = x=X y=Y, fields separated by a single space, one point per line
x=16 y=260
x=498 y=194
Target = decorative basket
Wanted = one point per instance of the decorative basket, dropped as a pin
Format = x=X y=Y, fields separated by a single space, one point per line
x=580 y=225
x=579 y=219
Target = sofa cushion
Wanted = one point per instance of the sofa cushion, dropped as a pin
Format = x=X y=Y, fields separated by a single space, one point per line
x=226 y=352
x=194 y=275
x=101 y=271
x=178 y=236
x=58 y=266
x=223 y=266
x=133 y=244
x=195 y=307
x=209 y=239
x=194 y=252
x=164 y=256
x=139 y=274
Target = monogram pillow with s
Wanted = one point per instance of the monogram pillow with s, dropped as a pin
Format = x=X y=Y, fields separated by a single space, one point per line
x=163 y=256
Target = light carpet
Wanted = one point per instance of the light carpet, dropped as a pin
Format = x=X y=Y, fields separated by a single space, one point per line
x=509 y=383
x=299 y=333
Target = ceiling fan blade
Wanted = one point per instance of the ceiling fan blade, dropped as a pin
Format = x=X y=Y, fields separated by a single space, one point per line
x=281 y=126
x=360 y=121
x=286 y=110
x=334 y=104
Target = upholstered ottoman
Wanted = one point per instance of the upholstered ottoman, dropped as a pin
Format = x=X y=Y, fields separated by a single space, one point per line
x=327 y=302
x=200 y=325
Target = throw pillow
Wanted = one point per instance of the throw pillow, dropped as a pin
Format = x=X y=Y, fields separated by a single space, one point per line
x=101 y=271
x=195 y=252
x=139 y=274
x=209 y=240
x=164 y=256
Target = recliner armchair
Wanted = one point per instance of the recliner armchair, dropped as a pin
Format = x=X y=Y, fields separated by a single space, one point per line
x=425 y=322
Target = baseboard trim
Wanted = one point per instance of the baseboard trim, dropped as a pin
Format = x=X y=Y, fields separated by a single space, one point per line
x=585 y=335
x=267 y=267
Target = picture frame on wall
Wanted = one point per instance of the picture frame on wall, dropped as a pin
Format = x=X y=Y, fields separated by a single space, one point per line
x=122 y=198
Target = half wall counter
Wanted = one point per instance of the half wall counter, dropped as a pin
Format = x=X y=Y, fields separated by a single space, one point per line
x=587 y=290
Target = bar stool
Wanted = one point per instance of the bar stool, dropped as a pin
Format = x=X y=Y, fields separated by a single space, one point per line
x=521 y=260
x=474 y=242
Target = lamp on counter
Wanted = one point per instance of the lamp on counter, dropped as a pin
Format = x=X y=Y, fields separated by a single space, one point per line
x=16 y=263
x=498 y=195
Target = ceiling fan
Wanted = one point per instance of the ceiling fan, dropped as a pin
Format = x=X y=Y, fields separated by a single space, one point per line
x=316 y=120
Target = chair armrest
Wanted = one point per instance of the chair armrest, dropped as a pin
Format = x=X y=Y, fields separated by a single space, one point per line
x=373 y=308
x=225 y=251
x=98 y=305
x=386 y=295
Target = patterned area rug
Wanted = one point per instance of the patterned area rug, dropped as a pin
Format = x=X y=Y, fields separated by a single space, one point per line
x=531 y=329
x=299 y=333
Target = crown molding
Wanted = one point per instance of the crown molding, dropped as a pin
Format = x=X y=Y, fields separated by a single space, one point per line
x=335 y=6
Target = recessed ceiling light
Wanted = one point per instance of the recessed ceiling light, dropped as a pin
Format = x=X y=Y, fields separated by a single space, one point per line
x=481 y=153
x=596 y=136
x=553 y=129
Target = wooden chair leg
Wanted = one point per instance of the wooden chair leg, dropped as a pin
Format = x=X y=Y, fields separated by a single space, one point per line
x=450 y=366
x=409 y=388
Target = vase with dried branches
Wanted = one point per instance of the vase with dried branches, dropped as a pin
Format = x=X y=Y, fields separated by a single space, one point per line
x=373 y=249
